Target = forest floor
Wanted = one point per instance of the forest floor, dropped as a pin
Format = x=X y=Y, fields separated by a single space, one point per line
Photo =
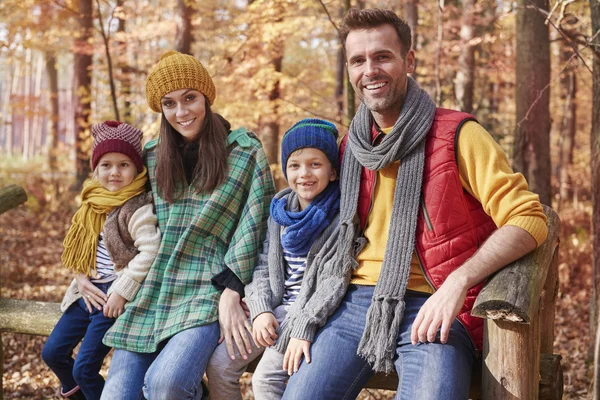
x=30 y=249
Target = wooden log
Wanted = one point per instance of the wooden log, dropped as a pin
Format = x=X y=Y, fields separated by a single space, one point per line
x=38 y=318
x=551 y=377
x=27 y=316
x=548 y=306
x=511 y=359
x=513 y=293
x=11 y=196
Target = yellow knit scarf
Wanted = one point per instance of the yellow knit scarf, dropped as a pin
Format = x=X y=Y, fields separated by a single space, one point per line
x=97 y=202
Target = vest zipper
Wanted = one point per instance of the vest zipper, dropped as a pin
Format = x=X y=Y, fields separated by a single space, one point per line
x=423 y=269
x=426 y=215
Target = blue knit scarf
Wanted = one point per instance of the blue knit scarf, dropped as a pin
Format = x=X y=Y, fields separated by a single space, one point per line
x=304 y=226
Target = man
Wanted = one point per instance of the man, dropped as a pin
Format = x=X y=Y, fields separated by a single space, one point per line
x=441 y=210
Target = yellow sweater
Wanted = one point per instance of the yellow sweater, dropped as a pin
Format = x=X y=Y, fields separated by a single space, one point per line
x=484 y=172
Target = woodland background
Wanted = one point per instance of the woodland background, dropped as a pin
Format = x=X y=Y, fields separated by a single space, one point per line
x=528 y=69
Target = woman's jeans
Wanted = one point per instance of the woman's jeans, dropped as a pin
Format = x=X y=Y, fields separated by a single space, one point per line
x=173 y=372
x=78 y=323
x=426 y=371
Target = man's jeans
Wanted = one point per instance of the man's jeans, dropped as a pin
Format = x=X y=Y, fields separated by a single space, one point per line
x=75 y=324
x=426 y=371
x=174 y=371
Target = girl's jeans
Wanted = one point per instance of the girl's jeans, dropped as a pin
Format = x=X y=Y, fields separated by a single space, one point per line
x=173 y=372
x=78 y=323
x=426 y=371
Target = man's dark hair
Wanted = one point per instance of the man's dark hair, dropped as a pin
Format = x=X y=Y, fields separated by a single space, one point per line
x=373 y=18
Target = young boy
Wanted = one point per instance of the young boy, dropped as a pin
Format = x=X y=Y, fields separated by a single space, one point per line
x=302 y=218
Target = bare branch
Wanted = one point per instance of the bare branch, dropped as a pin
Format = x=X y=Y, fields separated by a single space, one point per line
x=328 y=15
x=312 y=112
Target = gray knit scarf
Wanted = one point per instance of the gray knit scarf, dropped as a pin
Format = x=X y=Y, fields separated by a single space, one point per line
x=405 y=142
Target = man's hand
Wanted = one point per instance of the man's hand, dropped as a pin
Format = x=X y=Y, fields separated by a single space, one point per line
x=92 y=296
x=293 y=355
x=440 y=309
x=234 y=324
x=263 y=329
x=115 y=306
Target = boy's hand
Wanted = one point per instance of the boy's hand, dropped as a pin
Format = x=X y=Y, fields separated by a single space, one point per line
x=92 y=296
x=263 y=329
x=235 y=327
x=114 y=306
x=293 y=355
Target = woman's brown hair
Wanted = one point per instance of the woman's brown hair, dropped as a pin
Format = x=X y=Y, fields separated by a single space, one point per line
x=210 y=170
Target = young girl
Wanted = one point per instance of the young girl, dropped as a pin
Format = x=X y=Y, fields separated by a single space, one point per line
x=212 y=189
x=112 y=241
x=302 y=217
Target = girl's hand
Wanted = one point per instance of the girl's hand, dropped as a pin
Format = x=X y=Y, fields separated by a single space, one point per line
x=114 y=306
x=92 y=296
x=263 y=329
x=234 y=325
x=293 y=354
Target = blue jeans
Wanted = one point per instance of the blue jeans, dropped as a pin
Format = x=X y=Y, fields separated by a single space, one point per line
x=174 y=371
x=425 y=371
x=75 y=324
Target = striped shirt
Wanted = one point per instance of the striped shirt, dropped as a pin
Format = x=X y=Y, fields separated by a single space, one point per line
x=105 y=269
x=294 y=273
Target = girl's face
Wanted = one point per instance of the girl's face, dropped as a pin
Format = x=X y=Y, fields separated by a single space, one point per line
x=185 y=110
x=115 y=171
x=309 y=172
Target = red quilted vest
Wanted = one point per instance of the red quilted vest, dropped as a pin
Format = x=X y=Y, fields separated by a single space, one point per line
x=451 y=224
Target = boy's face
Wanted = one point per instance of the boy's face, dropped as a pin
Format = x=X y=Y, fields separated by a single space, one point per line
x=309 y=171
x=115 y=171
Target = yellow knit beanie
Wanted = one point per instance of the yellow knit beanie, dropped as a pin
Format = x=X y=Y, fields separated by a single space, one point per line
x=176 y=71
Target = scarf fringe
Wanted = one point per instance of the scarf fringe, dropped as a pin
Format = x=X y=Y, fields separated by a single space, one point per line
x=378 y=343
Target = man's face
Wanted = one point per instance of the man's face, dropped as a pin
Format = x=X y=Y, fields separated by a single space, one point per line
x=378 y=72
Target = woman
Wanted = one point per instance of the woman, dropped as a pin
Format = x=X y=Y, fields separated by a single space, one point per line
x=212 y=190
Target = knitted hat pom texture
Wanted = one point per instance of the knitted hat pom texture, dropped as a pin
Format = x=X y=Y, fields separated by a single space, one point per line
x=311 y=133
x=176 y=71
x=117 y=137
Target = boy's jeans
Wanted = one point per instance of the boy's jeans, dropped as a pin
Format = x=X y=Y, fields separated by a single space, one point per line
x=426 y=371
x=268 y=381
x=78 y=323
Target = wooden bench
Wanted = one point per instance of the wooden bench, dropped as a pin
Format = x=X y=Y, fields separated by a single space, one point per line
x=518 y=304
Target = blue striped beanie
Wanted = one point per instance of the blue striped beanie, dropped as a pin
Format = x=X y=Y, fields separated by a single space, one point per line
x=311 y=133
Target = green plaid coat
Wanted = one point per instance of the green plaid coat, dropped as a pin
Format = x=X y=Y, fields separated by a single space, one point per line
x=202 y=234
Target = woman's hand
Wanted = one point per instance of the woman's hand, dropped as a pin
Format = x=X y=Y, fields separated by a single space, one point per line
x=263 y=329
x=234 y=325
x=293 y=355
x=92 y=296
x=115 y=305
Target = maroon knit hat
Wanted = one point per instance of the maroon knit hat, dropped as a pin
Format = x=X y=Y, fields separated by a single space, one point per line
x=117 y=137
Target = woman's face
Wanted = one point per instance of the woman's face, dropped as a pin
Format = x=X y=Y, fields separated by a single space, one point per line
x=185 y=110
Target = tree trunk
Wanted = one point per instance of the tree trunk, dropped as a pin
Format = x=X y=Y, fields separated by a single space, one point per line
x=26 y=109
x=123 y=65
x=595 y=161
x=465 y=75
x=350 y=99
x=35 y=127
x=83 y=52
x=269 y=132
x=532 y=136
x=438 y=52
x=52 y=73
x=184 y=33
x=339 y=78
x=568 y=84
x=411 y=14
